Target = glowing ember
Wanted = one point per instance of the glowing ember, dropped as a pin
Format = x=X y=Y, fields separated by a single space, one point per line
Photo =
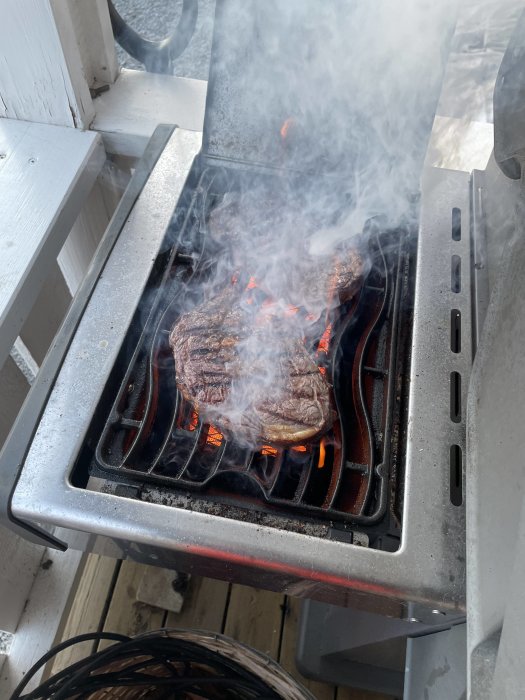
x=194 y=421
x=252 y=284
x=291 y=311
x=285 y=128
x=324 y=343
x=269 y=451
x=214 y=437
x=299 y=448
x=322 y=455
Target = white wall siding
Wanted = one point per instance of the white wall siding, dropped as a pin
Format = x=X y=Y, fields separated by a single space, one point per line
x=41 y=76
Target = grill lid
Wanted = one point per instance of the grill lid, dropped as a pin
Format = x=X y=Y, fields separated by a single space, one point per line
x=273 y=98
x=310 y=86
x=250 y=95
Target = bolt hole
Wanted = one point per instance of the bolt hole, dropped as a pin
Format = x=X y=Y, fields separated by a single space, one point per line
x=180 y=583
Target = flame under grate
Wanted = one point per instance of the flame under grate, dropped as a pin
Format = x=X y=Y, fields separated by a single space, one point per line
x=153 y=434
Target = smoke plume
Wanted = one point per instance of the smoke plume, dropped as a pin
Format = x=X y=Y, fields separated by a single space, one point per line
x=320 y=113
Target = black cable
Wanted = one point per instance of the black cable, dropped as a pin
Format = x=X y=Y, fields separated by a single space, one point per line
x=88 y=676
x=55 y=680
x=90 y=636
x=140 y=646
x=78 y=667
x=101 y=658
x=99 y=683
x=157 y=56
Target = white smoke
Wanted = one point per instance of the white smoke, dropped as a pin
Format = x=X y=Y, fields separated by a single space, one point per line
x=360 y=79
x=357 y=84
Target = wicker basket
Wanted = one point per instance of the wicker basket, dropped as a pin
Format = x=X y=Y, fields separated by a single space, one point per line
x=248 y=659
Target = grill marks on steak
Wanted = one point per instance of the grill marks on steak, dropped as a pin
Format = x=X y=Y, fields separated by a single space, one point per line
x=204 y=347
x=222 y=361
x=240 y=356
x=301 y=409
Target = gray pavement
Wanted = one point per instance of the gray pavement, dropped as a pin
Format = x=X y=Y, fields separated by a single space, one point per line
x=5 y=642
x=155 y=19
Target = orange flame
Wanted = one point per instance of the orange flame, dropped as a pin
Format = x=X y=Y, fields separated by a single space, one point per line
x=285 y=128
x=322 y=454
x=324 y=343
x=269 y=450
x=299 y=448
x=194 y=420
x=214 y=437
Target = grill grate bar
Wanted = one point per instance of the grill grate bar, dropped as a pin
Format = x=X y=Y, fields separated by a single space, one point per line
x=130 y=423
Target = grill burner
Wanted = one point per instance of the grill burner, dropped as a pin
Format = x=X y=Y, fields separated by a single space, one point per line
x=153 y=435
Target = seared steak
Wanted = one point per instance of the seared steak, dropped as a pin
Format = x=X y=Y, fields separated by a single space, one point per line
x=246 y=375
x=317 y=283
x=240 y=356
x=254 y=227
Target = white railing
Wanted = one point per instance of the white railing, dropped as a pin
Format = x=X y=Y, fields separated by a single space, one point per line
x=57 y=194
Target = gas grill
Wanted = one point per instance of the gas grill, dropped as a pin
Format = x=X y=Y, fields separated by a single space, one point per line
x=152 y=435
x=405 y=543
x=369 y=515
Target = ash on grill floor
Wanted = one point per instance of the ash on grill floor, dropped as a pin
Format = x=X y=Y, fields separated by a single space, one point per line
x=191 y=502
x=106 y=599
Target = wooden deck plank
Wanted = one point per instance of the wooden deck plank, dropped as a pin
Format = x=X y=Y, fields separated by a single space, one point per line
x=321 y=691
x=204 y=605
x=261 y=619
x=254 y=617
x=89 y=606
x=126 y=615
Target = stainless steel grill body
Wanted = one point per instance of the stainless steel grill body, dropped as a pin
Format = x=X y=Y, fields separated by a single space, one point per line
x=423 y=580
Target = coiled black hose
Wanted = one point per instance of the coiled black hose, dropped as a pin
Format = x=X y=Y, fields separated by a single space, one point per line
x=167 y=666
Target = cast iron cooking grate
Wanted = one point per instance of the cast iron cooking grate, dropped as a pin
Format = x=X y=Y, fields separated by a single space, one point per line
x=152 y=434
